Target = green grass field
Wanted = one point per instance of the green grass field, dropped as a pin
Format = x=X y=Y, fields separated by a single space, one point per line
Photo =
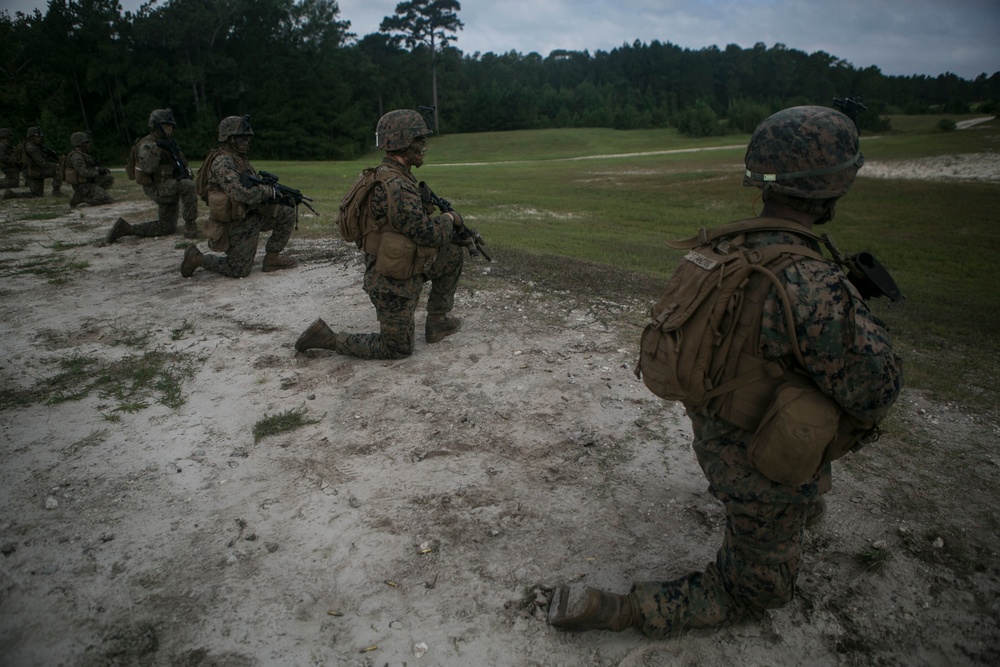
x=565 y=209
x=564 y=218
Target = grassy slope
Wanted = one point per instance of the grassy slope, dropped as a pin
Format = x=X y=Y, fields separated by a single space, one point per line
x=599 y=224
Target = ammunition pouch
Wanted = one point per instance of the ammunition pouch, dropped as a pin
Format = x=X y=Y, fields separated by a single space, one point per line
x=801 y=431
x=399 y=257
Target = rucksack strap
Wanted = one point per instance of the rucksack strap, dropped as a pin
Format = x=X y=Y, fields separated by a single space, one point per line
x=706 y=236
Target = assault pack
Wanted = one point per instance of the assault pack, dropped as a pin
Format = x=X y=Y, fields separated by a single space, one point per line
x=700 y=345
x=134 y=174
x=354 y=217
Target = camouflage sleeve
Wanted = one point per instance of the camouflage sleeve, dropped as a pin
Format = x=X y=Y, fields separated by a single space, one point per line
x=81 y=165
x=846 y=349
x=411 y=218
x=225 y=174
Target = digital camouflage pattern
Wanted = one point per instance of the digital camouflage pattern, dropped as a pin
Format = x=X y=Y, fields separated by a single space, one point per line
x=38 y=168
x=397 y=129
x=808 y=151
x=261 y=216
x=848 y=353
x=93 y=185
x=396 y=301
x=173 y=197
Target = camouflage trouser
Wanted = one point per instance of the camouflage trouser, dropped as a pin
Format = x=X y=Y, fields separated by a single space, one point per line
x=243 y=236
x=756 y=566
x=396 y=313
x=11 y=178
x=93 y=193
x=36 y=184
x=180 y=198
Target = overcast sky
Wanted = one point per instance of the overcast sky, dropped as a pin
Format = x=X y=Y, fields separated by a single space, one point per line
x=901 y=37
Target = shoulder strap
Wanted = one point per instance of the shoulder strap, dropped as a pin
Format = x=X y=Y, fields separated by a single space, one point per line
x=706 y=236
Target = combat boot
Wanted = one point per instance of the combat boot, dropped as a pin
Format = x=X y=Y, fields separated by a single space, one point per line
x=275 y=262
x=192 y=260
x=580 y=607
x=9 y=194
x=438 y=326
x=317 y=336
x=119 y=229
x=75 y=200
x=816 y=512
x=190 y=229
x=56 y=192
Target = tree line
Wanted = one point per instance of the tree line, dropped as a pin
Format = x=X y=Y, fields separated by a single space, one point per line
x=314 y=90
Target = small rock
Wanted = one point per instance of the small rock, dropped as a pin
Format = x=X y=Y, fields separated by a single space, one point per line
x=7 y=548
x=938 y=543
x=51 y=503
x=419 y=649
x=107 y=537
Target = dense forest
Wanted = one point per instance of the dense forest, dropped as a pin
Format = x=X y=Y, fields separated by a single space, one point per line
x=314 y=89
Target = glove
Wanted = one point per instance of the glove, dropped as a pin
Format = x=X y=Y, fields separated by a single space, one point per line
x=456 y=219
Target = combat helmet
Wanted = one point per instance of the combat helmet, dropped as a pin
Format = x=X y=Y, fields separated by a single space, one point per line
x=810 y=152
x=34 y=132
x=235 y=126
x=6 y=133
x=397 y=129
x=161 y=117
x=78 y=139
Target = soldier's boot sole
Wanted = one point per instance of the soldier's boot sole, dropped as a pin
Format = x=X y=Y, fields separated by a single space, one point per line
x=192 y=260
x=317 y=336
x=580 y=607
x=119 y=229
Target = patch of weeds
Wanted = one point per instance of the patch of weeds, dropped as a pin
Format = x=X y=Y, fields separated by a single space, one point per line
x=42 y=215
x=184 y=245
x=56 y=269
x=181 y=331
x=132 y=382
x=130 y=338
x=283 y=422
x=873 y=557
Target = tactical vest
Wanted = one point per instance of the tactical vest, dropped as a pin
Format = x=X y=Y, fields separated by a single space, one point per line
x=221 y=208
x=397 y=256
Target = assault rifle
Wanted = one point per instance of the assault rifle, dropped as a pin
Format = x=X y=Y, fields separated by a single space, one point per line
x=284 y=194
x=461 y=234
x=866 y=273
x=181 y=168
x=49 y=153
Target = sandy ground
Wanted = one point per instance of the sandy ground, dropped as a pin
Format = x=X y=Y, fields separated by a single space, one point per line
x=421 y=517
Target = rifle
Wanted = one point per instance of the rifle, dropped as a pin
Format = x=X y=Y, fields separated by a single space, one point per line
x=49 y=153
x=462 y=234
x=285 y=194
x=866 y=273
x=181 y=168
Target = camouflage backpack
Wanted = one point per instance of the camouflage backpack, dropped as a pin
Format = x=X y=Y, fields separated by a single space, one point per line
x=134 y=174
x=355 y=218
x=700 y=346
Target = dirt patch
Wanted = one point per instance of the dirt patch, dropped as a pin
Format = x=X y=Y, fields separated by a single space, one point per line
x=420 y=519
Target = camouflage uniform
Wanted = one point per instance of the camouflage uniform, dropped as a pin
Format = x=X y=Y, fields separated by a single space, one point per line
x=261 y=216
x=38 y=168
x=849 y=356
x=8 y=162
x=173 y=196
x=396 y=301
x=803 y=159
x=94 y=180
